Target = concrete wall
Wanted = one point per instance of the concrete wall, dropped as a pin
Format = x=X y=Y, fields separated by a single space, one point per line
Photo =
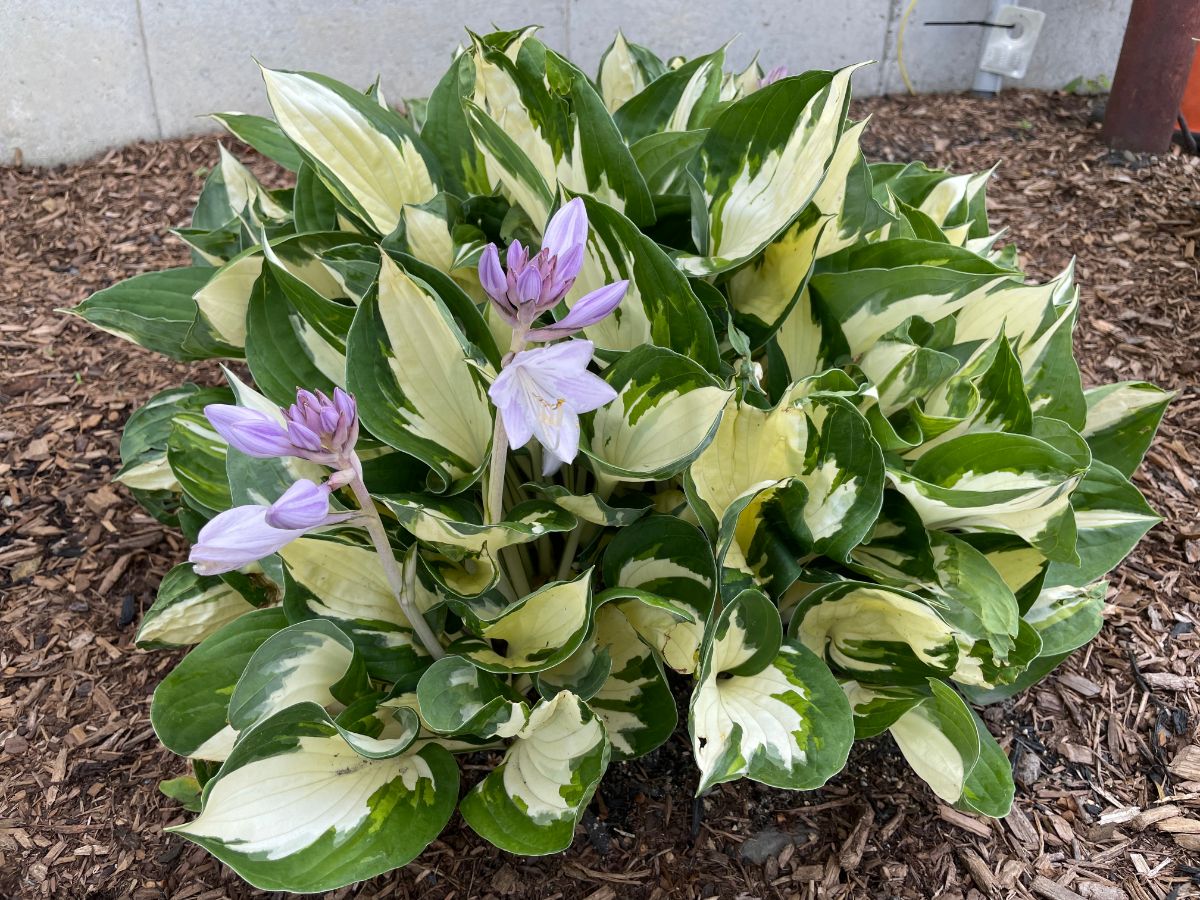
x=79 y=76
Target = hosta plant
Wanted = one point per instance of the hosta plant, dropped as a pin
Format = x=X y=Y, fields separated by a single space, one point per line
x=549 y=395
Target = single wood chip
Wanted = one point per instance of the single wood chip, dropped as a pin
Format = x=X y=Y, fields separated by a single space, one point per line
x=1052 y=890
x=1186 y=764
x=852 y=850
x=1180 y=825
x=1152 y=815
x=1094 y=890
x=980 y=873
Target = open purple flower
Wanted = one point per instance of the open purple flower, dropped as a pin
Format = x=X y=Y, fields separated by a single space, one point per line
x=245 y=534
x=531 y=285
x=541 y=393
x=315 y=427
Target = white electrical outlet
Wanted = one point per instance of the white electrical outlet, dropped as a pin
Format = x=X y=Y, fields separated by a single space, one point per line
x=1008 y=50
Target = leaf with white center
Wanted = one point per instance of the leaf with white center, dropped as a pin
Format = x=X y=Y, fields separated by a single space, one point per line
x=659 y=306
x=663 y=157
x=408 y=367
x=294 y=336
x=761 y=163
x=876 y=634
x=224 y=300
x=763 y=292
x=1008 y=483
x=780 y=484
x=188 y=608
x=530 y=802
x=367 y=155
x=264 y=136
x=678 y=100
x=666 y=556
x=156 y=311
x=1121 y=421
x=144 y=466
x=876 y=707
x=538 y=631
x=625 y=70
x=592 y=507
x=190 y=708
x=247 y=198
x=951 y=749
x=525 y=522
x=555 y=131
x=196 y=453
x=456 y=697
x=845 y=194
x=310 y=661
x=1111 y=516
x=296 y=808
x=333 y=579
x=765 y=708
x=666 y=410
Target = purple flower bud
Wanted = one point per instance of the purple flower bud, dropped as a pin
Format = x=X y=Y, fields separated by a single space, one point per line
x=303 y=437
x=345 y=403
x=491 y=275
x=236 y=538
x=516 y=258
x=249 y=431
x=567 y=268
x=529 y=285
x=588 y=310
x=773 y=76
x=567 y=228
x=304 y=505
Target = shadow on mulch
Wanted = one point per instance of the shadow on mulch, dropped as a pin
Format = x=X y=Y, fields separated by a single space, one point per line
x=1106 y=800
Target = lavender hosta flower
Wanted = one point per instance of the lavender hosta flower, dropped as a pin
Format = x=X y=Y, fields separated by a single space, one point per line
x=588 y=310
x=542 y=392
x=315 y=427
x=525 y=287
x=773 y=76
x=245 y=534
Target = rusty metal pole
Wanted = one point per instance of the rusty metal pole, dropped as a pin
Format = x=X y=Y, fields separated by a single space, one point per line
x=1156 y=57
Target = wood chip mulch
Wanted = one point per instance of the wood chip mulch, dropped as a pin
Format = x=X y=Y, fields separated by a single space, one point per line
x=1106 y=751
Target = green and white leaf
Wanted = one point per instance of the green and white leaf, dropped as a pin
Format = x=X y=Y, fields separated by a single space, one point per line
x=765 y=708
x=188 y=608
x=530 y=802
x=1121 y=421
x=527 y=521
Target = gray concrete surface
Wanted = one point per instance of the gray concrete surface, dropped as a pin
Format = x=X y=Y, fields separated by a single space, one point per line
x=78 y=76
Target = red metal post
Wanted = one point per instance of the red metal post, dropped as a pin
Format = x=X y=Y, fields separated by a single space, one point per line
x=1156 y=57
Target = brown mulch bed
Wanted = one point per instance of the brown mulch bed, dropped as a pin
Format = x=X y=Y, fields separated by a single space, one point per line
x=1107 y=804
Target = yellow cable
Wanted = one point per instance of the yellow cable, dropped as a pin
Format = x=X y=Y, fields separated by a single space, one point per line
x=900 y=46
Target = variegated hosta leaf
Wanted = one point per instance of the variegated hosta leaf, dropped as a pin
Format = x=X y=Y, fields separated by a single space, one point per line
x=144 y=466
x=678 y=100
x=1065 y=618
x=539 y=630
x=294 y=335
x=539 y=123
x=247 y=198
x=765 y=708
x=951 y=749
x=670 y=558
x=955 y=203
x=224 y=300
x=1111 y=516
x=196 y=454
x=812 y=463
x=663 y=157
x=457 y=697
x=333 y=579
x=1008 y=483
x=1121 y=421
x=156 y=311
x=367 y=155
x=297 y=808
x=309 y=662
x=876 y=634
x=188 y=608
x=625 y=70
x=190 y=708
x=763 y=292
x=659 y=306
x=761 y=163
x=876 y=707
x=592 y=507
x=263 y=135
x=408 y=367
x=845 y=194
x=619 y=674
x=666 y=411
x=529 y=804
x=526 y=522
x=447 y=133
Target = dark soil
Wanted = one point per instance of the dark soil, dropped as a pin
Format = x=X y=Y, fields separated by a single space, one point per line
x=1106 y=750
